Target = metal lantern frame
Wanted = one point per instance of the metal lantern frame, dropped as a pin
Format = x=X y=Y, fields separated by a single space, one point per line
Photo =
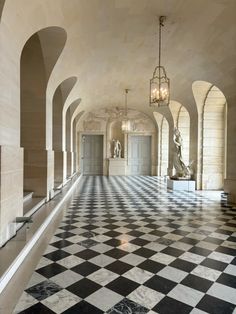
x=159 y=83
x=126 y=123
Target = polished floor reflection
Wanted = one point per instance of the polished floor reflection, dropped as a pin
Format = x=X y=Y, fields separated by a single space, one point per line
x=127 y=245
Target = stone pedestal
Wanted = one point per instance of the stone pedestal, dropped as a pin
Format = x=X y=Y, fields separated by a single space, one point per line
x=117 y=166
x=181 y=185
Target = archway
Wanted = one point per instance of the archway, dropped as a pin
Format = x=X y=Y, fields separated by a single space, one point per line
x=163 y=144
x=59 y=98
x=38 y=59
x=211 y=105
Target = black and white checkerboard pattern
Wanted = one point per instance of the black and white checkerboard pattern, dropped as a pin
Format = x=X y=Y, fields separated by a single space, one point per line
x=128 y=245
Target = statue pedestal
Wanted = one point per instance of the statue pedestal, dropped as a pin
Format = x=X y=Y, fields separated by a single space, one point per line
x=117 y=166
x=181 y=185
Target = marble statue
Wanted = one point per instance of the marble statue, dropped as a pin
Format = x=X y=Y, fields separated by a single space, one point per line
x=117 y=149
x=182 y=171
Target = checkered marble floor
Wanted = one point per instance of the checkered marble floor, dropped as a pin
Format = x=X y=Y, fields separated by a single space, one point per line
x=128 y=245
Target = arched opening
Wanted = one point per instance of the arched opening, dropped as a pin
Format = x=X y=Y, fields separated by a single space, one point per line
x=183 y=124
x=69 y=137
x=38 y=59
x=2 y=2
x=211 y=104
x=163 y=144
x=59 y=99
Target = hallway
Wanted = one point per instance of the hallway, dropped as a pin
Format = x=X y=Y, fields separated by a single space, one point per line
x=127 y=245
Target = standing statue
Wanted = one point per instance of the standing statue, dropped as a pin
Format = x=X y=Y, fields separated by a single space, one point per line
x=117 y=149
x=182 y=171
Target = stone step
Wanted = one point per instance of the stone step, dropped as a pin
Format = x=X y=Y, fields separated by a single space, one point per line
x=32 y=205
x=27 y=196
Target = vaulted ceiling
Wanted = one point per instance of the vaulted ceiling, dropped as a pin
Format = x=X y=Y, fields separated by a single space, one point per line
x=113 y=44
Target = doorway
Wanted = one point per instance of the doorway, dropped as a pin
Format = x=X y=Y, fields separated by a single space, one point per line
x=139 y=155
x=92 y=154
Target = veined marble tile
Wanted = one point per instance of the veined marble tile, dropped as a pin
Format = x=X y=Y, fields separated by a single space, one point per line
x=225 y=258
x=102 y=248
x=172 y=273
x=61 y=301
x=191 y=257
x=132 y=259
x=231 y=270
x=70 y=261
x=220 y=291
x=25 y=301
x=104 y=298
x=128 y=247
x=146 y=297
x=66 y=278
x=35 y=279
x=186 y=295
x=138 y=275
x=74 y=248
x=205 y=272
x=181 y=246
x=43 y=262
x=127 y=306
x=163 y=258
x=102 y=260
x=102 y=276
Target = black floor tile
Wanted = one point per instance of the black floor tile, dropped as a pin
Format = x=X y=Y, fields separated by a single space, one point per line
x=160 y=284
x=140 y=242
x=113 y=242
x=122 y=285
x=119 y=267
x=51 y=270
x=83 y=307
x=56 y=255
x=61 y=244
x=228 y=280
x=144 y=252
x=127 y=306
x=170 y=306
x=172 y=251
x=214 y=305
x=151 y=266
x=214 y=264
x=183 y=265
x=87 y=254
x=116 y=253
x=38 y=308
x=83 y=288
x=85 y=268
x=200 y=251
x=197 y=283
x=43 y=290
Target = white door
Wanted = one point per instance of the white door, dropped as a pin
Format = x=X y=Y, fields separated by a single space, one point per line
x=139 y=155
x=92 y=155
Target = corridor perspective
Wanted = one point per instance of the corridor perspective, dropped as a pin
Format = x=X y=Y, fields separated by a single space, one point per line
x=127 y=245
x=117 y=156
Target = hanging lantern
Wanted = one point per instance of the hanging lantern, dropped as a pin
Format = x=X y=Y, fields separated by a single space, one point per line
x=160 y=83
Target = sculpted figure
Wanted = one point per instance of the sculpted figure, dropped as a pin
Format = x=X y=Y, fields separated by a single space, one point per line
x=117 y=149
x=182 y=171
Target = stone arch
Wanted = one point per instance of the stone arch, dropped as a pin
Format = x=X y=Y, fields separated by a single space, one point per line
x=163 y=144
x=212 y=107
x=2 y=2
x=69 y=135
x=181 y=120
x=38 y=58
x=58 y=101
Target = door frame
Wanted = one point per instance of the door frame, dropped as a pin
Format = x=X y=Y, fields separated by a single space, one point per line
x=152 y=148
x=81 y=149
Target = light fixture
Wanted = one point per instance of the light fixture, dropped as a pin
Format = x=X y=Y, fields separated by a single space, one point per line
x=126 y=123
x=159 y=83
